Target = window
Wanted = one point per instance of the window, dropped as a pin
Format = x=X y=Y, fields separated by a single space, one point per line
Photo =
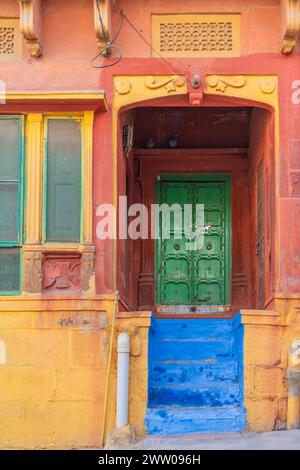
x=11 y=205
x=63 y=157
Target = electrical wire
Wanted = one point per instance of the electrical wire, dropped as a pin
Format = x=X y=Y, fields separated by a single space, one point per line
x=110 y=44
x=148 y=43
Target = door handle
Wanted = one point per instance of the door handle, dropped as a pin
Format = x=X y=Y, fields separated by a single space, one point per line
x=204 y=300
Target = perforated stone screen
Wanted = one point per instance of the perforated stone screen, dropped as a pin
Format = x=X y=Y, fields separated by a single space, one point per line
x=9 y=38
x=206 y=35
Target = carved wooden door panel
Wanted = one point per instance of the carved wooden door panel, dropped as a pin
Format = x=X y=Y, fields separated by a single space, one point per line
x=175 y=272
x=209 y=261
x=194 y=277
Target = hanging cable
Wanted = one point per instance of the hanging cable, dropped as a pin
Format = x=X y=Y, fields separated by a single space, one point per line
x=148 y=43
x=110 y=44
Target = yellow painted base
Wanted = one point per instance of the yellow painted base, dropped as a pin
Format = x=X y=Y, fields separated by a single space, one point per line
x=53 y=369
x=269 y=336
x=54 y=359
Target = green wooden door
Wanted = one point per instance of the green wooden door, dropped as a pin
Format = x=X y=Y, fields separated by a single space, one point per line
x=201 y=276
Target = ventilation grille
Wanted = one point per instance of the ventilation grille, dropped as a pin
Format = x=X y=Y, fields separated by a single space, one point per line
x=196 y=35
x=9 y=37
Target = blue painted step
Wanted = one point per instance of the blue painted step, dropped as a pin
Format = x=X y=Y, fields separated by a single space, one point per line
x=191 y=328
x=192 y=372
x=204 y=396
x=195 y=376
x=195 y=420
x=196 y=350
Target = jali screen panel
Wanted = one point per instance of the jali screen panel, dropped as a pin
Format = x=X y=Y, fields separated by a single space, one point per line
x=9 y=38
x=196 y=35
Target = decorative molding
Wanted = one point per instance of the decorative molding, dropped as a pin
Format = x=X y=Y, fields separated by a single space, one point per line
x=260 y=88
x=122 y=86
x=88 y=269
x=34 y=178
x=102 y=26
x=61 y=272
x=220 y=83
x=196 y=98
x=292 y=26
x=267 y=85
x=30 y=25
x=169 y=83
x=83 y=100
x=32 y=272
x=135 y=88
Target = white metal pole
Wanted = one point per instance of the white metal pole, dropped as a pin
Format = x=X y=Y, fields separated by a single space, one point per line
x=123 y=379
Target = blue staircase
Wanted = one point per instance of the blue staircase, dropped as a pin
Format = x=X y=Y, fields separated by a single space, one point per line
x=195 y=376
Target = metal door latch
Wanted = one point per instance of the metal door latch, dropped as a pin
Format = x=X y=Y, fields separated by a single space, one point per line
x=207 y=227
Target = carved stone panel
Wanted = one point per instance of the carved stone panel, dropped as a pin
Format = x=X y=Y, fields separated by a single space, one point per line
x=62 y=272
x=196 y=35
x=32 y=272
x=88 y=269
x=9 y=38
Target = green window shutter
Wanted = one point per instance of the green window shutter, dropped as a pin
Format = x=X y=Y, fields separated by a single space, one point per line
x=9 y=179
x=63 y=191
x=9 y=270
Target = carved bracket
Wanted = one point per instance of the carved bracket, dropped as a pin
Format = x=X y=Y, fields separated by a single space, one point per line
x=292 y=26
x=30 y=25
x=102 y=25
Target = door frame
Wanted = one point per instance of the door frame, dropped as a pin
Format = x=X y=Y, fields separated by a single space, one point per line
x=201 y=177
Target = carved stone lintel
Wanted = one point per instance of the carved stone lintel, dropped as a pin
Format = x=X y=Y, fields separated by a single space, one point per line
x=221 y=82
x=32 y=272
x=30 y=25
x=102 y=25
x=292 y=26
x=170 y=83
x=88 y=269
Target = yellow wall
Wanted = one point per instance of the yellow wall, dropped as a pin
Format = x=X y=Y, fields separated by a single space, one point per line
x=53 y=374
x=53 y=379
x=269 y=336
